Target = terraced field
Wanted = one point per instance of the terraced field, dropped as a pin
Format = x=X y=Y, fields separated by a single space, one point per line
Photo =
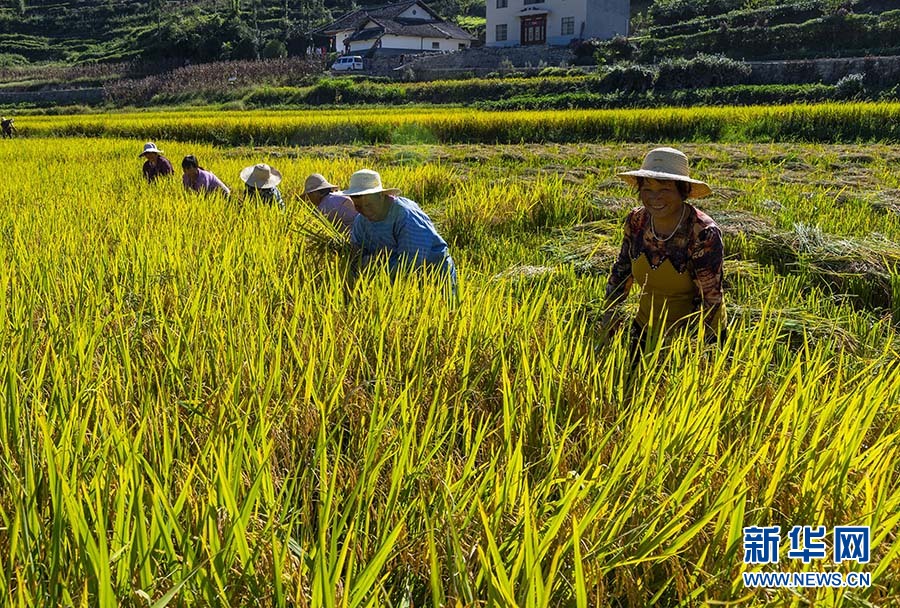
x=198 y=409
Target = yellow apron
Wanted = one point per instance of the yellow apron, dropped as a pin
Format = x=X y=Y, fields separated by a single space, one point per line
x=667 y=296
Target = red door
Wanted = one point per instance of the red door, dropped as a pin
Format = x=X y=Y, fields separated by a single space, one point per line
x=534 y=29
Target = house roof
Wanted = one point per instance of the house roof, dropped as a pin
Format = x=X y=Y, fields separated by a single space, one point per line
x=388 y=20
x=354 y=19
x=420 y=30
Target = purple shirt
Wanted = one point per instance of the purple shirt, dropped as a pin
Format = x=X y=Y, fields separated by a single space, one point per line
x=162 y=167
x=339 y=209
x=206 y=182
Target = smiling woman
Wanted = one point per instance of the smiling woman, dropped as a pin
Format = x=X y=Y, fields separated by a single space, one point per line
x=671 y=249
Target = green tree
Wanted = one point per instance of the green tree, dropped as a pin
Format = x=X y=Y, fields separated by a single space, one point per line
x=274 y=49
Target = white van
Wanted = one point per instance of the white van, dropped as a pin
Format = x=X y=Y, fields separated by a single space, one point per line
x=348 y=62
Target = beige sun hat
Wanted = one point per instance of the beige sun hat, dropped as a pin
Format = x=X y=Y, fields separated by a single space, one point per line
x=150 y=147
x=667 y=164
x=260 y=175
x=317 y=181
x=366 y=181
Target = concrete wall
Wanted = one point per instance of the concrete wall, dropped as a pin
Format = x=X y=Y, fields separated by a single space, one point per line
x=593 y=19
x=425 y=44
x=607 y=18
x=408 y=43
x=339 y=40
x=577 y=10
x=360 y=47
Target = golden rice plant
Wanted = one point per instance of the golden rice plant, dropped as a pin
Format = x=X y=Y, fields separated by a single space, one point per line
x=195 y=411
x=835 y=123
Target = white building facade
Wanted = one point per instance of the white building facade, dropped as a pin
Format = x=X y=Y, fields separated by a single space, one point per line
x=400 y=28
x=554 y=22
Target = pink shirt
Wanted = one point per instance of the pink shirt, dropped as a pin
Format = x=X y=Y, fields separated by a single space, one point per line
x=339 y=209
x=206 y=182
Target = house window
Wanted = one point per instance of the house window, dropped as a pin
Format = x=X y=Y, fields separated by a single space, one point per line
x=502 y=3
x=462 y=45
x=568 y=26
x=501 y=32
x=534 y=2
x=436 y=45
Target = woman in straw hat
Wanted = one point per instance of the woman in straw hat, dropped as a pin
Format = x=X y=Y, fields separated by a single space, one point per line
x=262 y=181
x=671 y=249
x=324 y=196
x=391 y=225
x=155 y=164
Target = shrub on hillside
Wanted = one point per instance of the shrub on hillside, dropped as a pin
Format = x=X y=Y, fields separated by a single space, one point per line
x=274 y=49
x=667 y=12
x=12 y=59
x=701 y=71
x=615 y=50
x=553 y=71
x=740 y=95
x=628 y=77
x=266 y=97
x=202 y=38
x=850 y=86
x=584 y=51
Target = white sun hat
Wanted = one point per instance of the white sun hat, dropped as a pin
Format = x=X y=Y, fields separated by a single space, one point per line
x=667 y=164
x=317 y=181
x=366 y=181
x=260 y=175
x=150 y=147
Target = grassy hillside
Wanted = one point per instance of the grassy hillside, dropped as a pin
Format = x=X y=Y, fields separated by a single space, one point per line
x=166 y=32
x=765 y=29
x=107 y=30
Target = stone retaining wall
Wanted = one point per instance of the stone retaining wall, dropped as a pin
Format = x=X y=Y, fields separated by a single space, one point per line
x=885 y=69
x=61 y=97
x=482 y=60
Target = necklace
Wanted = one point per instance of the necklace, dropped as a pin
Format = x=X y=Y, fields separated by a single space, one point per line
x=677 y=226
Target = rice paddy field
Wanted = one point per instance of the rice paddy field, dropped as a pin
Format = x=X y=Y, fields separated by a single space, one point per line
x=197 y=409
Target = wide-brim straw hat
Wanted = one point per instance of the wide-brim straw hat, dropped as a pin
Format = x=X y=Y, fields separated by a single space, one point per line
x=260 y=175
x=366 y=181
x=149 y=147
x=317 y=181
x=667 y=164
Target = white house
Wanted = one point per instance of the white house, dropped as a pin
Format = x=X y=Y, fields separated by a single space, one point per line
x=394 y=29
x=554 y=22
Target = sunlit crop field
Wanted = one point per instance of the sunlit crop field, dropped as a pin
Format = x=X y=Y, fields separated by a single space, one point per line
x=832 y=123
x=197 y=410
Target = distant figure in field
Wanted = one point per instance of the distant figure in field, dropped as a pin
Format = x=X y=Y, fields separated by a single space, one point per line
x=395 y=227
x=198 y=179
x=670 y=249
x=156 y=165
x=261 y=183
x=336 y=207
x=7 y=126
